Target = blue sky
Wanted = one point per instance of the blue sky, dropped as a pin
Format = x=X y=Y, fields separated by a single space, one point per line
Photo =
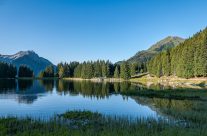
x=78 y=30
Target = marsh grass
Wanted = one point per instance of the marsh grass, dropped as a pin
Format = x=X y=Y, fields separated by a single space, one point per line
x=96 y=125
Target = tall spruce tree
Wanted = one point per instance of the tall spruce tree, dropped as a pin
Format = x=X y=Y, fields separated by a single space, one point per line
x=124 y=70
x=116 y=72
x=25 y=71
x=133 y=69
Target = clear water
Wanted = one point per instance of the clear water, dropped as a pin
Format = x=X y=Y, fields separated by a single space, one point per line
x=44 y=98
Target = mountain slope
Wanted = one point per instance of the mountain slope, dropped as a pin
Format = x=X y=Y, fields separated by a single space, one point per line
x=29 y=58
x=167 y=43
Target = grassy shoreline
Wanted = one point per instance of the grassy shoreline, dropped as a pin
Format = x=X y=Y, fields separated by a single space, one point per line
x=172 y=81
x=87 y=123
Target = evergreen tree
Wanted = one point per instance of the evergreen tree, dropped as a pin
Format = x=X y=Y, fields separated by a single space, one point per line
x=166 y=63
x=89 y=72
x=77 y=71
x=133 y=69
x=61 y=71
x=7 y=70
x=116 y=72
x=125 y=71
x=25 y=71
x=97 y=69
x=48 y=72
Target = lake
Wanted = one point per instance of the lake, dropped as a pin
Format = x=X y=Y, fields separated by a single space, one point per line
x=44 y=98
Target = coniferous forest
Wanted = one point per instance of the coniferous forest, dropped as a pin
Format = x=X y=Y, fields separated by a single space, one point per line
x=10 y=71
x=186 y=60
x=7 y=70
x=98 y=69
x=25 y=71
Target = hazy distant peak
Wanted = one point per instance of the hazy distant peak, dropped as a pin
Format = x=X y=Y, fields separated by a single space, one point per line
x=29 y=58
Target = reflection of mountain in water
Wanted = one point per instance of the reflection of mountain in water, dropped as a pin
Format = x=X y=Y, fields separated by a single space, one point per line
x=24 y=91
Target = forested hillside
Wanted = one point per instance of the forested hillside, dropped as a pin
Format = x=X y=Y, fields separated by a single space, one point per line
x=187 y=60
x=163 y=45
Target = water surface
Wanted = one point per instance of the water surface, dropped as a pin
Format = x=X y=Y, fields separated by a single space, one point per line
x=44 y=98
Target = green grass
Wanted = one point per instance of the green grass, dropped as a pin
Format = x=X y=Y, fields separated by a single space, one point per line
x=73 y=124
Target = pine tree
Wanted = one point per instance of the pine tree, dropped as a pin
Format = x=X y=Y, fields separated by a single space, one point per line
x=116 y=72
x=61 y=71
x=7 y=70
x=48 y=72
x=133 y=69
x=166 y=63
x=25 y=71
x=125 y=71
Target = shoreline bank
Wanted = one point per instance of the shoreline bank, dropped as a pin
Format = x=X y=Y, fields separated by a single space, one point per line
x=96 y=79
x=172 y=81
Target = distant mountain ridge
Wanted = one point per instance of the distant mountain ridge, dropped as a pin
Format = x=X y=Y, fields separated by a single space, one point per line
x=166 y=43
x=28 y=58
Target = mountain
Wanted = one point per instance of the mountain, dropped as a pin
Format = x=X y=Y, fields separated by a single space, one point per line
x=167 y=43
x=188 y=60
x=29 y=58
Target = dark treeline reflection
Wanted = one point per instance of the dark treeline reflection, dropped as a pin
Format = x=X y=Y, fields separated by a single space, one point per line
x=86 y=88
x=23 y=85
x=7 y=85
x=11 y=85
x=63 y=87
x=94 y=89
x=48 y=84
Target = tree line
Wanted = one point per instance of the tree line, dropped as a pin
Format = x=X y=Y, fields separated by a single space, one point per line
x=10 y=71
x=187 y=60
x=99 y=69
x=94 y=69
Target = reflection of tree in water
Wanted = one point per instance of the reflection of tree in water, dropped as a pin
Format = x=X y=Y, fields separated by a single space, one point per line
x=65 y=87
x=88 y=88
x=124 y=86
x=188 y=110
x=24 y=84
x=48 y=84
x=94 y=89
x=85 y=88
x=7 y=85
x=27 y=99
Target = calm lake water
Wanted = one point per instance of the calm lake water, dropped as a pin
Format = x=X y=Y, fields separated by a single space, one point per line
x=44 y=98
